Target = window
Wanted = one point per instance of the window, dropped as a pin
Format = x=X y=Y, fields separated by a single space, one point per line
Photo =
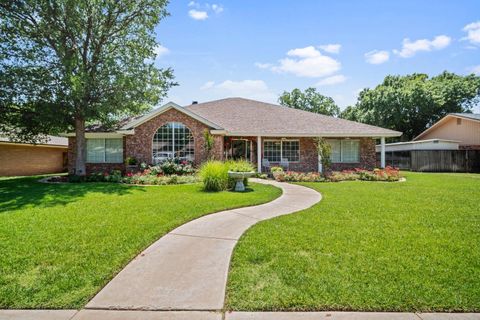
x=276 y=150
x=173 y=140
x=347 y=151
x=105 y=150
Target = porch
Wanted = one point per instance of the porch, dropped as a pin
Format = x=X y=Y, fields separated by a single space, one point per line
x=300 y=153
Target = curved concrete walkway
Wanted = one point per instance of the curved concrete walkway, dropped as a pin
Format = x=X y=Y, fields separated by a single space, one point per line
x=187 y=268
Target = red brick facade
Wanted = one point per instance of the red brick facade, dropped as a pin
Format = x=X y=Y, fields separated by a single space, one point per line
x=139 y=146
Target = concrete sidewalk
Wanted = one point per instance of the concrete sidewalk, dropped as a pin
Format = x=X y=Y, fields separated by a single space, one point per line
x=187 y=269
x=207 y=315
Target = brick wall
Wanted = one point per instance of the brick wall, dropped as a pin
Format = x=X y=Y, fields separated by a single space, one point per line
x=139 y=145
x=25 y=160
x=309 y=156
x=91 y=167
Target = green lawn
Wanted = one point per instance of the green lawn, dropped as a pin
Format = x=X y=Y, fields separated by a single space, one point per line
x=60 y=244
x=408 y=246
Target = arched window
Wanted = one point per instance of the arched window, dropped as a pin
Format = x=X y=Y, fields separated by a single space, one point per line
x=173 y=140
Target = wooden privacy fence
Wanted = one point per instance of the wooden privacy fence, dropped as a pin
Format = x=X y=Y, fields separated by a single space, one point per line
x=434 y=160
x=445 y=160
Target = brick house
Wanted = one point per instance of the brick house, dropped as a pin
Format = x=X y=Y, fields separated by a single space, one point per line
x=265 y=134
x=25 y=159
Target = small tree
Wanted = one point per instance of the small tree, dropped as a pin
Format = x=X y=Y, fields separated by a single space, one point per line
x=208 y=143
x=65 y=64
x=324 y=150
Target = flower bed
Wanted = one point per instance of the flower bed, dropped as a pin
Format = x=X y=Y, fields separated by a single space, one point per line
x=388 y=174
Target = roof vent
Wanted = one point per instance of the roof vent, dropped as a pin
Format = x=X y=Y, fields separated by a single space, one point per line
x=194 y=102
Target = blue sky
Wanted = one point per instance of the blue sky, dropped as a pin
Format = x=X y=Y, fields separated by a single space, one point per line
x=258 y=49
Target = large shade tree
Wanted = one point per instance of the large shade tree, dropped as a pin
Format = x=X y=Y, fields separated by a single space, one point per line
x=309 y=100
x=412 y=103
x=67 y=63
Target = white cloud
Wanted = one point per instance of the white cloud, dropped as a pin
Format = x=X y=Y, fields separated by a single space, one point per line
x=331 y=48
x=192 y=4
x=377 y=56
x=473 y=32
x=217 y=8
x=198 y=15
x=207 y=85
x=253 y=89
x=307 y=62
x=307 y=52
x=475 y=70
x=409 y=48
x=263 y=65
x=161 y=51
x=336 y=79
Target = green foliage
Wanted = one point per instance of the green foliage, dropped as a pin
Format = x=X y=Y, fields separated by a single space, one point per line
x=214 y=175
x=309 y=100
x=324 y=150
x=208 y=143
x=64 y=64
x=131 y=161
x=61 y=243
x=414 y=102
x=240 y=166
x=410 y=246
x=276 y=169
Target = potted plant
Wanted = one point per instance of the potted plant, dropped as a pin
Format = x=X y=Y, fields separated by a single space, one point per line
x=240 y=171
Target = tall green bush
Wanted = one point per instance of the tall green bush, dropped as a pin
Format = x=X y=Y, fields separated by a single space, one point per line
x=214 y=175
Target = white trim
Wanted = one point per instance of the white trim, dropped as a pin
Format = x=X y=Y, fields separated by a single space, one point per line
x=281 y=149
x=162 y=109
x=97 y=135
x=300 y=135
x=420 y=141
x=382 y=152
x=58 y=146
x=259 y=154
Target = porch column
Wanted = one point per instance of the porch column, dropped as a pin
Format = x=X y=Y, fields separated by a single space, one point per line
x=259 y=154
x=382 y=152
x=320 y=167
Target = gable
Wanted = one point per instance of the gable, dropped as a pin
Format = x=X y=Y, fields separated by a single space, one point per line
x=169 y=106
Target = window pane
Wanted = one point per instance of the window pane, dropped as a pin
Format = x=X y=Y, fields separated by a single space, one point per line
x=272 y=150
x=291 y=150
x=350 y=151
x=95 y=150
x=173 y=140
x=335 y=156
x=114 y=150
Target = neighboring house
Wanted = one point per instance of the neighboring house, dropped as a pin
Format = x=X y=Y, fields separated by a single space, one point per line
x=23 y=159
x=441 y=147
x=461 y=127
x=241 y=128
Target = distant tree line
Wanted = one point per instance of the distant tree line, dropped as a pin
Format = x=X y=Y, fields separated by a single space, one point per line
x=409 y=103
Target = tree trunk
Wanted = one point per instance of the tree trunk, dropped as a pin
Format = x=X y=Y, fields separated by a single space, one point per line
x=81 y=147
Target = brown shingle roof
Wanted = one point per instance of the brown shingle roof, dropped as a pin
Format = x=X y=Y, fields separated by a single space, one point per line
x=240 y=116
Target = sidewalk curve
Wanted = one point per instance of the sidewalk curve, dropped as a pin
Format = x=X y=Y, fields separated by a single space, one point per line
x=187 y=269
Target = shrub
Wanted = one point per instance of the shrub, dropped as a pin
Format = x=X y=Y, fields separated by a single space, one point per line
x=214 y=175
x=131 y=161
x=172 y=166
x=276 y=169
x=293 y=176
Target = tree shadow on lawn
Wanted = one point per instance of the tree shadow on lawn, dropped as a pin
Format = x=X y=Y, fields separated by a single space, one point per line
x=21 y=192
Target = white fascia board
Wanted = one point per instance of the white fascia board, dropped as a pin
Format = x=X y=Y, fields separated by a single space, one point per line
x=326 y=135
x=99 y=135
x=166 y=107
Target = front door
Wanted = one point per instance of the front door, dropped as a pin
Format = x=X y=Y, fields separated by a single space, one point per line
x=240 y=149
